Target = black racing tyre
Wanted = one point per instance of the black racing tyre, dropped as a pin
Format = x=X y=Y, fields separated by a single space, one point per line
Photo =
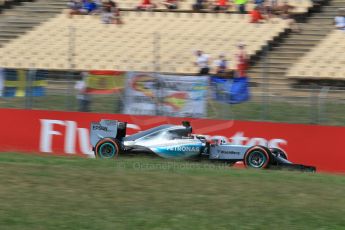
x=279 y=153
x=258 y=157
x=107 y=148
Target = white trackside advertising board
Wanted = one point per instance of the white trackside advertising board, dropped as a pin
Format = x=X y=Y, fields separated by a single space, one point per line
x=153 y=94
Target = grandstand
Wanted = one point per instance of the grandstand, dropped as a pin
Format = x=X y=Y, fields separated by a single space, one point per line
x=290 y=49
x=132 y=46
x=300 y=6
x=324 y=61
x=18 y=17
x=5 y=4
x=175 y=50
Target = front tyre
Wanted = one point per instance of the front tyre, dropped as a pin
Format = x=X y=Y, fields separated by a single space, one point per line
x=107 y=149
x=257 y=157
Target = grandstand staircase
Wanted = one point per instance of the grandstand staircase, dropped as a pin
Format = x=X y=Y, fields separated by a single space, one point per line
x=21 y=18
x=272 y=66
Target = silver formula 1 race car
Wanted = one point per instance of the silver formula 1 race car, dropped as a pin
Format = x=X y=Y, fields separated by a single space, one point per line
x=108 y=139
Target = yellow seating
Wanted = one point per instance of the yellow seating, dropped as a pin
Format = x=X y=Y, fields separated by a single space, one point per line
x=144 y=39
x=326 y=60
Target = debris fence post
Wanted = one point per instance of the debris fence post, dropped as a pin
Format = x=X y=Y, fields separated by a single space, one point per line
x=156 y=69
x=71 y=66
x=265 y=84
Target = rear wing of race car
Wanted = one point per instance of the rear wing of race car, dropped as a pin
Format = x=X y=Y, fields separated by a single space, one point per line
x=107 y=129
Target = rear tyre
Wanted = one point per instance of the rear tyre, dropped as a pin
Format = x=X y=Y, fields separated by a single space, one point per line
x=257 y=157
x=107 y=149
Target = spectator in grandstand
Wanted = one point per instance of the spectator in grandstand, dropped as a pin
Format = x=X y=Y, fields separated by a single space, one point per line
x=220 y=65
x=255 y=15
x=200 y=5
x=202 y=61
x=89 y=6
x=271 y=8
x=99 y=6
x=242 y=61
x=284 y=12
x=259 y=3
x=170 y=4
x=75 y=6
x=241 y=5
x=111 y=13
x=266 y=9
x=339 y=20
x=146 y=5
x=273 y=3
x=221 y=5
x=82 y=96
x=98 y=3
x=82 y=7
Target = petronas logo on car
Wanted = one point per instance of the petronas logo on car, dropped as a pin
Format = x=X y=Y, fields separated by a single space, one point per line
x=184 y=148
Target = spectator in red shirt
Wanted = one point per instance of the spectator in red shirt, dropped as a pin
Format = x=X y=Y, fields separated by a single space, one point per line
x=221 y=5
x=242 y=61
x=146 y=5
x=255 y=15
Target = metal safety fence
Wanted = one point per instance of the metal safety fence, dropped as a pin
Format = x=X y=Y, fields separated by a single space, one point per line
x=317 y=105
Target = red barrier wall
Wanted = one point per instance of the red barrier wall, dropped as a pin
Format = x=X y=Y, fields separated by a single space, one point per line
x=68 y=133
